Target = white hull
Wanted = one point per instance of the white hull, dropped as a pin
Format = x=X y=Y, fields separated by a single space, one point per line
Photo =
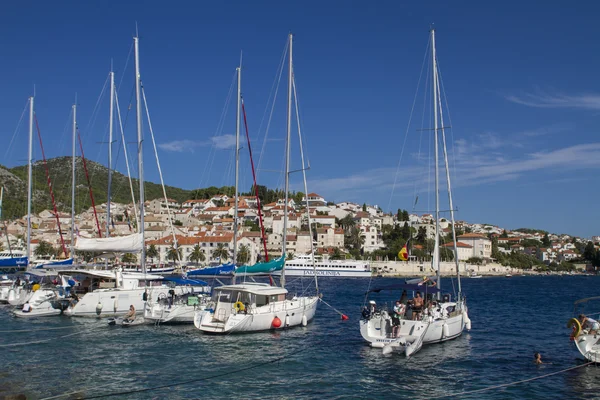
x=17 y=296
x=295 y=312
x=180 y=312
x=325 y=272
x=589 y=346
x=378 y=330
x=40 y=303
x=112 y=302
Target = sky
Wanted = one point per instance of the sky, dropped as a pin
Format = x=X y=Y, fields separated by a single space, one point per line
x=520 y=84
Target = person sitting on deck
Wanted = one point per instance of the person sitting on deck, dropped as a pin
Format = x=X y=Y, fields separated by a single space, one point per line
x=130 y=316
x=417 y=307
x=397 y=315
x=589 y=324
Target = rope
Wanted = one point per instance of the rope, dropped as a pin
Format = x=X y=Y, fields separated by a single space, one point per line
x=509 y=384
x=344 y=316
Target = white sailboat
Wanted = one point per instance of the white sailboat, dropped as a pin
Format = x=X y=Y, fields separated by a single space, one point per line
x=250 y=306
x=440 y=320
x=110 y=293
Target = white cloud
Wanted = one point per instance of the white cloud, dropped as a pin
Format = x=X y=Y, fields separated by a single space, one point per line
x=470 y=168
x=557 y=100
x=180 y=146
x=223 y=141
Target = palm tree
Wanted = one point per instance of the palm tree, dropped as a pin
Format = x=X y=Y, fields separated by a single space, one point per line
x=174 y=254
x=290 y=256
x=197 y=255
x=152 y=252
x=337 y=254
x=44 y=249
x=243 y=255
x=129 y=258
x=221 y=252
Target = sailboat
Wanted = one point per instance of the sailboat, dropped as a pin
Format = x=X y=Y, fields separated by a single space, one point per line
x=435 y=320
x=11 y=260
x=251 y=306
x=110 y=293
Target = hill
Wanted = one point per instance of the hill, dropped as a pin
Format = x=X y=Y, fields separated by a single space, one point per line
x=14 y=181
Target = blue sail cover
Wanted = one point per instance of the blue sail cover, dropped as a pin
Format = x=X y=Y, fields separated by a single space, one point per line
x=183 y=281
x=262 y=268
x=224 y=269
x=56 y=263
x=12 y=262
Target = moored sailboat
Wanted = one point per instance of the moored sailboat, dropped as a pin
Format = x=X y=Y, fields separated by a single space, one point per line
x=432 y=318
x=251 y=306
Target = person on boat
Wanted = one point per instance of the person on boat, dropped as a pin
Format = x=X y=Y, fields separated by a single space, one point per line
x=417 y=306
x=537 y=358
x=26 y=307
x=427 y=282
x=130 y=316
x=396 y=317
x=588 y=323
x=404 y=297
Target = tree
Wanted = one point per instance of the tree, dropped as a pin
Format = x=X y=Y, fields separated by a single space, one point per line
x=364 y=208
x=243 y=254
x=504 y=234
x=152 y=252
x=221 y=252
x=290 y=256
x=197 y=255
x=421 y=235
x=177 y=223
x=129 y=258
x=405 y=233
x=44 y=249
x=347 y=222
x=337 y=254
x=174 y=254
x=546 y=240
x=590 y=251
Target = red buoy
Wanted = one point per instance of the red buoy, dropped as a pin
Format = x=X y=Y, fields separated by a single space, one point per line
x=276 y=322
x=344 y=317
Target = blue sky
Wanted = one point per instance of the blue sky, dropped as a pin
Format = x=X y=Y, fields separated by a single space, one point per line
x=520 y=80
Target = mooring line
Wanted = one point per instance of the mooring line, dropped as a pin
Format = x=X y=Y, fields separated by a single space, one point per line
x=469 y=392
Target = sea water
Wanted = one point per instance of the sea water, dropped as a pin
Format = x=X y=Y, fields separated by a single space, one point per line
x=512 y=318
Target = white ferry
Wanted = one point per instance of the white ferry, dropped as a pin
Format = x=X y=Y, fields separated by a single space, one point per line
x=302 y=265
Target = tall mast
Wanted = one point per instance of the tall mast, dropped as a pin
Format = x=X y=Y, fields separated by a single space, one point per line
x=29 y=179
x=436 y=249
x=140 y=152
x=237 y=158
x=287 y=157
x=110 y=142
x=73 y=150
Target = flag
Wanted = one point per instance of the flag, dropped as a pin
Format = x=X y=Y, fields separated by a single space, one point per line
x=403 y=253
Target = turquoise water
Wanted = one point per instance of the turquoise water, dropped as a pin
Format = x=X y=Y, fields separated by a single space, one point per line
x=512 y=318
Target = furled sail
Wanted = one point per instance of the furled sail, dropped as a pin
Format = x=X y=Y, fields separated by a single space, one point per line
x=118 y=244
x=262 y=268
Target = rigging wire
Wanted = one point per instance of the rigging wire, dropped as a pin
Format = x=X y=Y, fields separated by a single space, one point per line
x=408 y=125
x=8 y=149
x=278 y=78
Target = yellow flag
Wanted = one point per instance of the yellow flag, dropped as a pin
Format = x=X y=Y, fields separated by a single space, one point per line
x=403 y=253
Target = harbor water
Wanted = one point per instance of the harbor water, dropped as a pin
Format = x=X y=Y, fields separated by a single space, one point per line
x=512 y=318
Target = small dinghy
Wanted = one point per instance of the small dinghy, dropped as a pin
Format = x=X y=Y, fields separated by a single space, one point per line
x=120 y=321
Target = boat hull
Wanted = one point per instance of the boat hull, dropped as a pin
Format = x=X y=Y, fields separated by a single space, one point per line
x=295 y=312
x=589 y=346
x=377 y=330
x=325 y=272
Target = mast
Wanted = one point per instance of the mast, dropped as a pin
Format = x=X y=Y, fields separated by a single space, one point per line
x=237 y=158
x=29 y=179
x=436 y=249
x=287 y=159
x=140 y=147
x=110 y=142
x=73 y=150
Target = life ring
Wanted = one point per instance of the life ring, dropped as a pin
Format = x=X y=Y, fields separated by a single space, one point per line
x=239 y=306
x=576 y=325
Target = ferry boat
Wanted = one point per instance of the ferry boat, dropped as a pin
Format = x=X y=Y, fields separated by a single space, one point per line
x=302 y=265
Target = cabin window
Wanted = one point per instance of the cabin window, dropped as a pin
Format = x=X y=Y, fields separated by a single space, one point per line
x=261 y=300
